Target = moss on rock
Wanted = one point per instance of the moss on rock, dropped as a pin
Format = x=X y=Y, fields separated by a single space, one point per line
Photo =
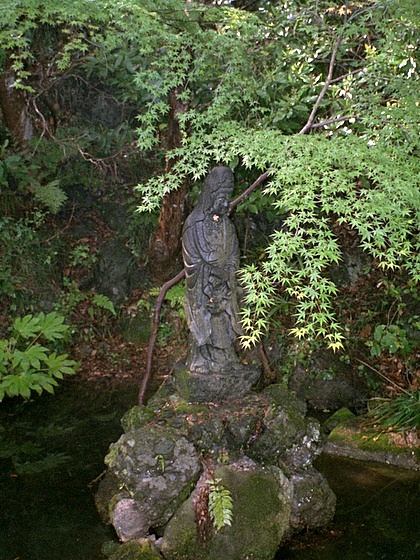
x=137 y=417
x=261 y=513
x=353 y=438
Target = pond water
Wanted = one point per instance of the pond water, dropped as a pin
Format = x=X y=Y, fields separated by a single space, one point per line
x=52 y=449
x=377 y=515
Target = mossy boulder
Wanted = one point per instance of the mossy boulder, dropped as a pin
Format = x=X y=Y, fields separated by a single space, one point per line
x=157 y=468
x=340 y=416
x=136 y=417
x=287 y=439
x=156 y=464
x=357 y=439
x=261 y=512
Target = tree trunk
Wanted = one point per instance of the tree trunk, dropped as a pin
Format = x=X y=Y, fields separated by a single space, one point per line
x=165 y=247
x=14 y=106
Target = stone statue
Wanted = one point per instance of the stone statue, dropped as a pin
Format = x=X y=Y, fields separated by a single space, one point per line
x=211 y=260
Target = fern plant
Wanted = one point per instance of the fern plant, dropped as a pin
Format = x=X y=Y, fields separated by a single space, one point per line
x=27 y=361
x=220 y=504
x=50 y=195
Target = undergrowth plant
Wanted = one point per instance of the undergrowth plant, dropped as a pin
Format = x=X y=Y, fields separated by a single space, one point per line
x=175 y=305
x=32 y=176
x=28 y=361
x=397 y=414
x=391 y=339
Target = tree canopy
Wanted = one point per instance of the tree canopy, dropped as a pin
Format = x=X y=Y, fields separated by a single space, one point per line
x=322 y=96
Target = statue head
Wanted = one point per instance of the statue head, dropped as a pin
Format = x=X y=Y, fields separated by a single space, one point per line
x=216 y=192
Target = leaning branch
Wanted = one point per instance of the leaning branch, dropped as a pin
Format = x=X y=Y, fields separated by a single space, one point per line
x=248 y=191
x=328 y=81
x=333 y=120
x=155 y=328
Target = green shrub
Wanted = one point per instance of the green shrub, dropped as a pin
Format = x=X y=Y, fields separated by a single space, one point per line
x=28 y=361
x=389 y=338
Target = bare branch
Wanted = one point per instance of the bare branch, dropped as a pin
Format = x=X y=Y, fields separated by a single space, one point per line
x=334 y=120
x=310 y=121
x=248 y=191
x=155 y=328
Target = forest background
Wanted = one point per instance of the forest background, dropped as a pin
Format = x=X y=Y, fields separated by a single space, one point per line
x=314 y=102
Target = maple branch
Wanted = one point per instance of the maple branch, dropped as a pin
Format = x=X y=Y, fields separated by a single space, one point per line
x=248 y=191
x=334 y=120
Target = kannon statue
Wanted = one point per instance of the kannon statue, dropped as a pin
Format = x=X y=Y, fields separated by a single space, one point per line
x=211 y=260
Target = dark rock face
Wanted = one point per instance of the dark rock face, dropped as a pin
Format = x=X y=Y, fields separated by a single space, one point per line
x=313 y=503
x=328 y=383
x=352 y=267
x=115 y=271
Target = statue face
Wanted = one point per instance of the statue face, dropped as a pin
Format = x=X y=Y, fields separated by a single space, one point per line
x=221 y=203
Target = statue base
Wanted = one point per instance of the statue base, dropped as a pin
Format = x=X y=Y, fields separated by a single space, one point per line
x=215 y=387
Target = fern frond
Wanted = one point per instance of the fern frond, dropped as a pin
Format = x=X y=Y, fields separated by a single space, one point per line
x=220 y=504
x=51 y=195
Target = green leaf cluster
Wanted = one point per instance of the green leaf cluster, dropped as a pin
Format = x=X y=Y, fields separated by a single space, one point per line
x=390 y=338
x=28 y=362
x=33 y=174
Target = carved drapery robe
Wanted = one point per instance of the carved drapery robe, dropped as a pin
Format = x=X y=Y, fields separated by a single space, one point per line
x=211 y=259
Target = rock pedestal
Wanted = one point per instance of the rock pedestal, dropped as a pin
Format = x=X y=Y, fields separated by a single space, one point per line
x=261 y=447
x=215 y=386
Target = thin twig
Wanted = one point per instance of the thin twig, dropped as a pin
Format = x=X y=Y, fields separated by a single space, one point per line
x=248 y=191
x=384 y=377
x=332 y=121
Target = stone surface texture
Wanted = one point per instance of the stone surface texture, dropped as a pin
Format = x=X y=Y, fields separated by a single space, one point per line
x=260 y=445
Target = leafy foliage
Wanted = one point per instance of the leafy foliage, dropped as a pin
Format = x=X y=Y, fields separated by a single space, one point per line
x=358 y=167
x=51 y=196
x=29 y=173
x=220 y=504
x=26 y=363
x=103 y=301
x=251 y=82
x=175 y=297
x=391 y=339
